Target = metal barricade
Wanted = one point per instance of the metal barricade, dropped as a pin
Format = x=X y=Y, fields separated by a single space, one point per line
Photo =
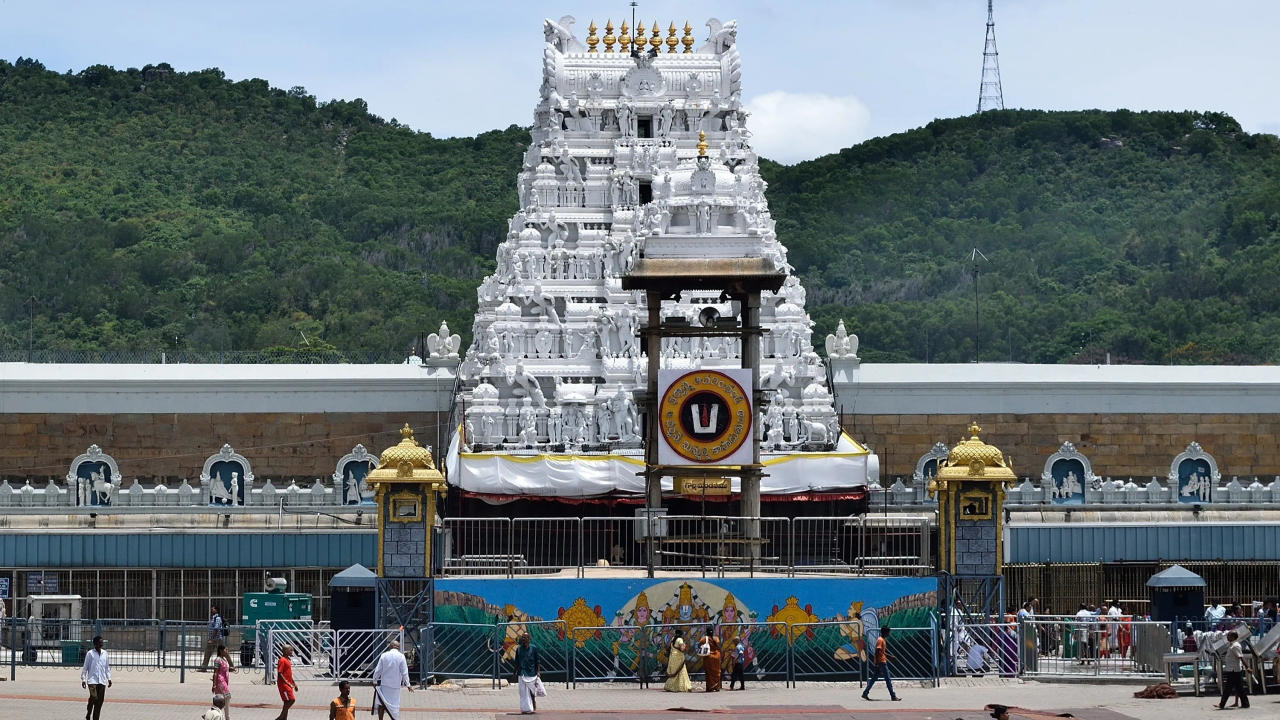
x=325 y=654
x=480 y=546
x=548 y=636
x=614 y=653
x=1094 y=645
x=719 y=544
x=460 y=650
x=987 y=649
x=618 y=541
x=547 y=544
x=824 y=544
x=845 y=650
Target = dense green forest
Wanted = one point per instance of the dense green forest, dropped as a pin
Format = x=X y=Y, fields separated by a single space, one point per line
x=152 y=209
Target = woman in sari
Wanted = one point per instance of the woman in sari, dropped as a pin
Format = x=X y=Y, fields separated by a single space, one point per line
x=711 y=664
x=677 y=673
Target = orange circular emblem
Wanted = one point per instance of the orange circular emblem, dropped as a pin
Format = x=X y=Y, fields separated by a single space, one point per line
x=705 y=416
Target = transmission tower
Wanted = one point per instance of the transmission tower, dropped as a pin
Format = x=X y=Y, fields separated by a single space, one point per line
x=990 y=95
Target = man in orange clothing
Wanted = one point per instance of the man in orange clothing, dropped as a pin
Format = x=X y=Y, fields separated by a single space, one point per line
x=882 y=666
x=343 y=707
x=285 y=684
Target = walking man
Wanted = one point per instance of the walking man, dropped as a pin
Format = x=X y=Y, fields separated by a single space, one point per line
x=217 y=630
x=1233 y=674
x=391 y=674
x=528 y=670
x=284 y=682
x=881 y=668
x=96 y=677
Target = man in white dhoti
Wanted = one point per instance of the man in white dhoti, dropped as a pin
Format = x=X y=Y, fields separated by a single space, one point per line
x=391 y=674
x=528 y=670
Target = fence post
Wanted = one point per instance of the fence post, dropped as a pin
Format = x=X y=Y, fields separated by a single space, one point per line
x=13 y=649
x=511 y=547
x=933 y=643
x=582 y=551
x=182 y=657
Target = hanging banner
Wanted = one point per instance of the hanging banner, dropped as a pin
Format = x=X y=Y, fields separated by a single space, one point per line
x=704 y=417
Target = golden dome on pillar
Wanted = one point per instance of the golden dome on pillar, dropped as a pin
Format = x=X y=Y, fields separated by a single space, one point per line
x=974 y=459
x=406 y=461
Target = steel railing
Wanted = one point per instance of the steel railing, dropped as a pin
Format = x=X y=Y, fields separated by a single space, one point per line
x=704 y=544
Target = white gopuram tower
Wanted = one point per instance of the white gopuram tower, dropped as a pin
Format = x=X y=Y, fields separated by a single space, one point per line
x=643 y=138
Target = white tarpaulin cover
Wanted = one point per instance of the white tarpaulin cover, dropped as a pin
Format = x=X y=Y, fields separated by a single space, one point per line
x=583 y=476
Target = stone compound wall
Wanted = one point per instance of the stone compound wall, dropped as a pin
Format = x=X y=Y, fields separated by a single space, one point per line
x=1120 y=445
x=282 y=446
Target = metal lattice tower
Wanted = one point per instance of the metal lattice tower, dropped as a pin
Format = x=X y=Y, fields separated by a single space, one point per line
x=990 y=94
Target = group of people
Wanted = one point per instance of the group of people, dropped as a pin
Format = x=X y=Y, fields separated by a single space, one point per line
x=1102 y=631
x=716 y=664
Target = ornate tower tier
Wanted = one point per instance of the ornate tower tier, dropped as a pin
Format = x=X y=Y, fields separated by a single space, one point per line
x=634 y=148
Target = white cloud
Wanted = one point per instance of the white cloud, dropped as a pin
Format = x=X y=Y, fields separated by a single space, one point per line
x=790 y=127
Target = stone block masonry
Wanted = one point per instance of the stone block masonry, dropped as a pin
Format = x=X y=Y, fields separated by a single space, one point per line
x=1120 y=445
x=280 y=446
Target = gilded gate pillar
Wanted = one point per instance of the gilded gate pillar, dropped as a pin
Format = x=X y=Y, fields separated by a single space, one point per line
x=406 y=484
x=970 y=487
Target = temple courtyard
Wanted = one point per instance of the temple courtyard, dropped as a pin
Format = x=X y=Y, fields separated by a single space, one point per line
x=56 y=693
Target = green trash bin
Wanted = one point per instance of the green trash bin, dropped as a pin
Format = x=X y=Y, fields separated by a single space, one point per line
x=72 y=652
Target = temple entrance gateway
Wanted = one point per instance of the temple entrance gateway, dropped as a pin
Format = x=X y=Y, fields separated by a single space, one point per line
x=635 y=159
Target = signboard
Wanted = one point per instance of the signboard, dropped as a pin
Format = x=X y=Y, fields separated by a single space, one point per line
x=42 y=583
x=704 y=417
x=699 y=486
x=4 y=587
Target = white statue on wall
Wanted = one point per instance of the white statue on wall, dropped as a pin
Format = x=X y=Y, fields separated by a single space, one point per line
x=842 y=344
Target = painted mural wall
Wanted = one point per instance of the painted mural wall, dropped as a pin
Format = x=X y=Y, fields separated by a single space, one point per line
x=628 y=624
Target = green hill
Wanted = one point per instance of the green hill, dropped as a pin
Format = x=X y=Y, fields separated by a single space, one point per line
x=150 y=209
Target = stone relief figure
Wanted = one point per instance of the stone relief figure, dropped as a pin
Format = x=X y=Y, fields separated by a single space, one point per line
x=626 y=121
x=555 y=425
x=723 y=36
x=604 y=420
x=842 y=344
x=555 y=126
x=569 y=167
x=560 y=35
x=576 y=119
x=702 y=219
x=624 y=409
x=541 y=303
x=443 y=345
x=526 y=384
x=665 y=118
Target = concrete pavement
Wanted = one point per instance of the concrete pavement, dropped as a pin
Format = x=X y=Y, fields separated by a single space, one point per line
x=54 y=693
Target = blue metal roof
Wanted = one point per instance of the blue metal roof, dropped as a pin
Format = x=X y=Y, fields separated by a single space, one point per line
x=1137 y=542
x=229 y=549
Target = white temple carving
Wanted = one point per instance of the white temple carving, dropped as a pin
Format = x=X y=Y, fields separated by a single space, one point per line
x=629 y=150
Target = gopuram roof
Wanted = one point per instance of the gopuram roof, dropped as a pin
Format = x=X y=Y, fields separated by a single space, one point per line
x=638 y=141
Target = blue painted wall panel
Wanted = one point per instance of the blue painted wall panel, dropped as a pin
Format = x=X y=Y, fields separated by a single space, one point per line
x=1143 y=543
x=201 y=549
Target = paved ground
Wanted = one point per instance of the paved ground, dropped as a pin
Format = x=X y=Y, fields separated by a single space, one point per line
x=55 y=694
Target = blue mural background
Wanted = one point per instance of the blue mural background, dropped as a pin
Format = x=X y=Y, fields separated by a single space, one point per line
x=824 y=598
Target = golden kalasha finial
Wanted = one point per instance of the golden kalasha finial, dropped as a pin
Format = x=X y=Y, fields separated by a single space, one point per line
x=974 y=430
x=655 y=42
x=609 y=39
x=702 y=144
x=592 y=40
x=672 y=40
x=687 y=40
x=639 y=38
x=624 y=39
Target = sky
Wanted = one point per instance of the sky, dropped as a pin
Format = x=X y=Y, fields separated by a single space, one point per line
x=817 y=76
